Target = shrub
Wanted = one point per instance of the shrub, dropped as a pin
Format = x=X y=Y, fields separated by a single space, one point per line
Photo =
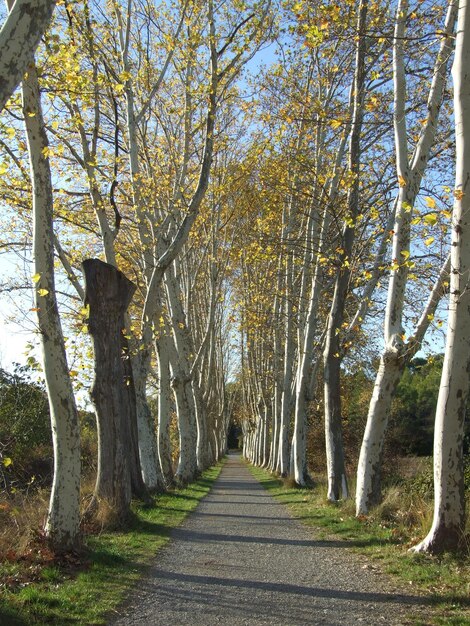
x=25 y=433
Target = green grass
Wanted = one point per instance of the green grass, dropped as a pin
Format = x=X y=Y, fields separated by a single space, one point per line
x=115 y=561
x=445 y=580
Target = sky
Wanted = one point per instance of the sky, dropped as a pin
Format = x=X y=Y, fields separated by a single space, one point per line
x=16 y=319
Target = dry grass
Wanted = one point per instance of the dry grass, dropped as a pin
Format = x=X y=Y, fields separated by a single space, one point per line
x=22 y=517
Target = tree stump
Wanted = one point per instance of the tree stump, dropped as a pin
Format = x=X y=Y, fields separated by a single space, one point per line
x=108 y=293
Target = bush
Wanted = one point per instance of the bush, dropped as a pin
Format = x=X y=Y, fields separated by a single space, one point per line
x=25 y=432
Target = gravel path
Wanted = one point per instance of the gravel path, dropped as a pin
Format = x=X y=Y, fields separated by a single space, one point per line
x=240 y=558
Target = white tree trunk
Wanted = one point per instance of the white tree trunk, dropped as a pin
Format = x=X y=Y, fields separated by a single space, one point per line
x=19 y=38
x=62 y=525
x=449 y=497
x=409 y=175
x=147 y=440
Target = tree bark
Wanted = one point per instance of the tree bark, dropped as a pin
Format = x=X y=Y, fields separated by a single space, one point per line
x=138 y=485
x=108 y=293
x=19 y=38
x=164 y=409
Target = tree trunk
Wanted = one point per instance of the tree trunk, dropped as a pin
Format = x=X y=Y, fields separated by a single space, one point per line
x=368 y=490
x=19 y=38
x=108 y=293
x=164 y=409
x=332 y=354
x=449 y=495
x=182 y=379
x=181 y=384
x=138 y=486
x=336 y=468
x=287 y=399
x=409 y=176
x=63 y=518
x=147 y=440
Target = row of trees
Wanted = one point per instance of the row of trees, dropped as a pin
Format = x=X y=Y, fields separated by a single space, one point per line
x=289 y=210
x=126 y=109
x=364 y=201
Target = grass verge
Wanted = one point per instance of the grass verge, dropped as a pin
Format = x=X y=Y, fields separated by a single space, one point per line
x=445 y=580
x=111 y=564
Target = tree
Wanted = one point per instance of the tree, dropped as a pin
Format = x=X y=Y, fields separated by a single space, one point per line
x=25 y=424
x=410 y=171
x=63 y=519
x=449 y=496
x=108 y=294
x=336 y=469
x=19 y=38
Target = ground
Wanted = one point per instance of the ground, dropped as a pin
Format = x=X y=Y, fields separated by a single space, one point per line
x=241 y=558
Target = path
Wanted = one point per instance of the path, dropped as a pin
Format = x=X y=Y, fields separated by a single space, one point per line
x=240 y=558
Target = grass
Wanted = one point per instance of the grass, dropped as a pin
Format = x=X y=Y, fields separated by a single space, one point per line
x=445 y=580
x=86 y=592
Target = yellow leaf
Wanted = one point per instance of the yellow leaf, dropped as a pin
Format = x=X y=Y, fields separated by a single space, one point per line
x=3 y=168
x=405 y=254
x=430 y=219
x=428 y=241
x=430 y=317
x=430 y=202
x=43 y=292
x=335 y=123
x=401 y=181
x=73 y=373
x=459 y=194
x=10 y=132
x=7 y=461
x=447 y=214
x=36 y=278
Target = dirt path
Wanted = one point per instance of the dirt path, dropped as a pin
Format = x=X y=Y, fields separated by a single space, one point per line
x=240 y=558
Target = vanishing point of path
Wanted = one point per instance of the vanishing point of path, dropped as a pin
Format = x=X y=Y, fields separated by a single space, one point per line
x=241 y=558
